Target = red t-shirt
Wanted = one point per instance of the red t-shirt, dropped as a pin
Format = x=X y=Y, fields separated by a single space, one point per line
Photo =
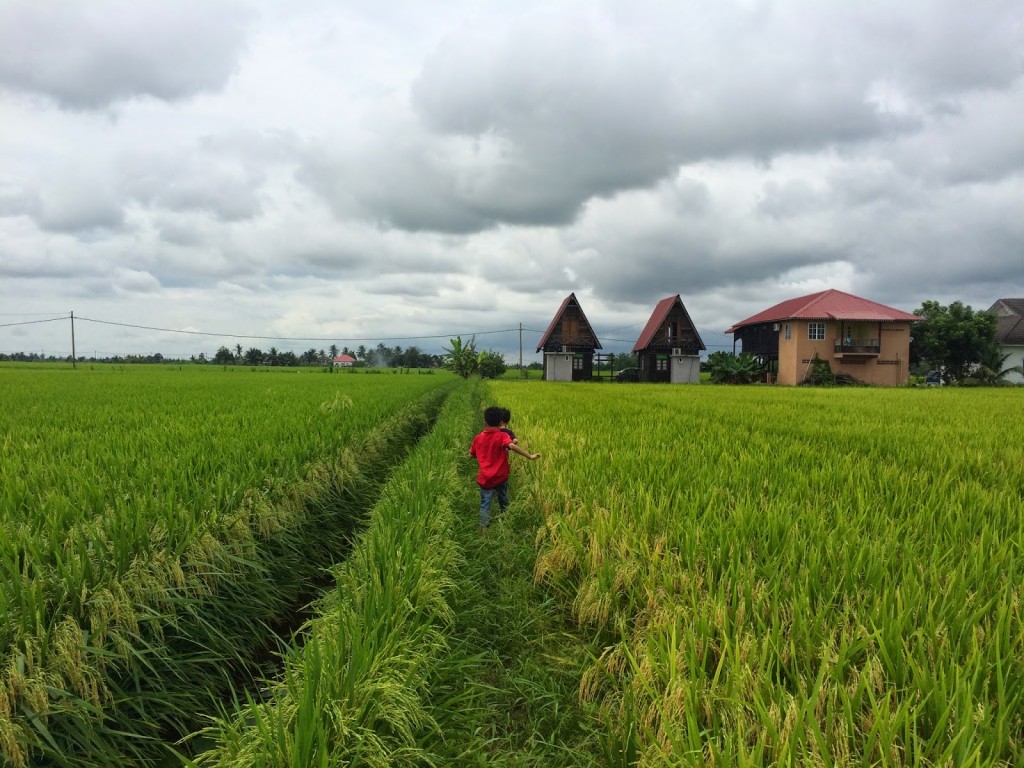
x=490 y=449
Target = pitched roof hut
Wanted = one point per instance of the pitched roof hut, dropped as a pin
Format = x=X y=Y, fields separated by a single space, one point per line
x=569 y=344
x=669 y=346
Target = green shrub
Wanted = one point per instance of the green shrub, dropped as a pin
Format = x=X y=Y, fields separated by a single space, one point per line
x=727 y=368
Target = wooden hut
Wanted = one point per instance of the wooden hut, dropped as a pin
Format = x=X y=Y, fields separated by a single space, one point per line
x=569 y=344
x=669 y=346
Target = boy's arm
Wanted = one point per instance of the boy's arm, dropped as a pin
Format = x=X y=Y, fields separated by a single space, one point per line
x=516 y=449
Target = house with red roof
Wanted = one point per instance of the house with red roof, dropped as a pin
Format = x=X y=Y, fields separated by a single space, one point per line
x=1010 y=334
x=669 y=346
x=344 y=361
x=569 y=344
x=859 y=337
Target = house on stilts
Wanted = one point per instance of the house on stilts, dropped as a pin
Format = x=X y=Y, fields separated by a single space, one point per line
x=858 y=337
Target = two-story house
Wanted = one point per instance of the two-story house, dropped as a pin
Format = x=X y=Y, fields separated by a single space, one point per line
x=859 y=337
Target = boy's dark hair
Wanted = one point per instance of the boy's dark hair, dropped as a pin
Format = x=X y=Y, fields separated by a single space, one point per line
x=506 y=415
x=492 y=416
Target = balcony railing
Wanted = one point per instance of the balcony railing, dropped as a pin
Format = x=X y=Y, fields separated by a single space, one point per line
x=850 y=346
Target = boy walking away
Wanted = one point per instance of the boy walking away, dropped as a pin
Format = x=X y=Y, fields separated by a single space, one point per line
x=490 y=449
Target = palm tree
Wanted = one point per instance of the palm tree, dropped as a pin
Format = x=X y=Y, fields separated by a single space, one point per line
x=238 y=353
x=334 y=352
x=990 y=370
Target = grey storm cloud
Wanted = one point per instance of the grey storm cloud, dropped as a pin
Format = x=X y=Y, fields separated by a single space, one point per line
x=526 y=121
x=78 y=208
x=195 y=180
x=74 y=204
x=91 y=55
x=414 y=286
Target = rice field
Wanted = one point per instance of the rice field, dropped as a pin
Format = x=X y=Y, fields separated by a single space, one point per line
x=380 y=679
x=724 y=576
x=159 y=525
x=787 y=576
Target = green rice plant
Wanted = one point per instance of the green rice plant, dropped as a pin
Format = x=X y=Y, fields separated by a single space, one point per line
x=368 y=685
x=787 y=576
x=147 y=554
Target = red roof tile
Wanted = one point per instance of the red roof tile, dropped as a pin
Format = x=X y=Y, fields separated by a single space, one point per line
x=826 y=305
x=658 y=316
x=554 y=321
x=558 y=316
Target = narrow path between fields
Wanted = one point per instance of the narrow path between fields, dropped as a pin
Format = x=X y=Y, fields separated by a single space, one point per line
x=533 y=658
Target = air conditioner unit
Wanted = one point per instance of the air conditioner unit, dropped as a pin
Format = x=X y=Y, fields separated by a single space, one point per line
x=565 y=348
x=775 y=326
x=677 y=352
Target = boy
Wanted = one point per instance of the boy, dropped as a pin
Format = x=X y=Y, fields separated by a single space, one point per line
x=506 y=417
x=490 y=448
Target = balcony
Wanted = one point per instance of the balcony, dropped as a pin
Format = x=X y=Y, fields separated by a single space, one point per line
x=857 y=348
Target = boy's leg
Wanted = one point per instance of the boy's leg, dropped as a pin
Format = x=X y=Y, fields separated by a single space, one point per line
x=502 y=491
x=486 y=495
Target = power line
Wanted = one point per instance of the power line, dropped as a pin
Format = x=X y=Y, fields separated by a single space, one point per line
x=624 y=327
x=305 y=338
x=32 y=314
x=292 y=338
x=32 y=322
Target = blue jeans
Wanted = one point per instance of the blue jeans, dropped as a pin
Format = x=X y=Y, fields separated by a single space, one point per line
x=487 y=496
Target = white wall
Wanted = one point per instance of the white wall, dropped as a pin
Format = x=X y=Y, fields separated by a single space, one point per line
x=557 y=366
x=1016 y=358
x=684 y=369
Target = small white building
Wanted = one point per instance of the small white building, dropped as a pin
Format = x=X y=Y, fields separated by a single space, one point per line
x=344 y=361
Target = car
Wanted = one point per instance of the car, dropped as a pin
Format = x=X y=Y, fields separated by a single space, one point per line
x=933 y=379
x=628 y=374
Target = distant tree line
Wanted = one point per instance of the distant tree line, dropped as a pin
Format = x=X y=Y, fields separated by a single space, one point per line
x=35 y=357
x=381 y=356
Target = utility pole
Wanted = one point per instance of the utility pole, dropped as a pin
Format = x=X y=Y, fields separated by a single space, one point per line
x=520 y=349
x=74 y=357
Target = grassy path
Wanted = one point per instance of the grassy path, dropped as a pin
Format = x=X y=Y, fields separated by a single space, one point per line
x=531 y=660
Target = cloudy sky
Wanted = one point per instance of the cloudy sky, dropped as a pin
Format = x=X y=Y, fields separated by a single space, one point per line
x=369 y=171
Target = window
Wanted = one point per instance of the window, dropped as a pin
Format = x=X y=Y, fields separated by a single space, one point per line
x=661 y=364
x=577 y=363
x=816 y=331
x=787 y=332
